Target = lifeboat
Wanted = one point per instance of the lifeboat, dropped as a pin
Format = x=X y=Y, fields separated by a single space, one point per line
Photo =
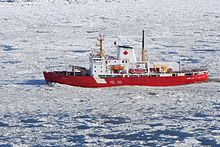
x=137 y=71
x=117 y=67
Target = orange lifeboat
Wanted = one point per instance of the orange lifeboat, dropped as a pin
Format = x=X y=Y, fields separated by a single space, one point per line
x=117 y=67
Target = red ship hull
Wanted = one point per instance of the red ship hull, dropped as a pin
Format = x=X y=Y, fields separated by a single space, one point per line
x=90 y=81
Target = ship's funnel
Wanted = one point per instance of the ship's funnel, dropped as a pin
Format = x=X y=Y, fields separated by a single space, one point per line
x=126 y=53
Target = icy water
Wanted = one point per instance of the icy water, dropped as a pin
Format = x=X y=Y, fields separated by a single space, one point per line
x=63 y=115
x=42 y=35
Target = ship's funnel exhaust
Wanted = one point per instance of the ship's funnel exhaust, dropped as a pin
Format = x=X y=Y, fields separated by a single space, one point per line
x=143 y=51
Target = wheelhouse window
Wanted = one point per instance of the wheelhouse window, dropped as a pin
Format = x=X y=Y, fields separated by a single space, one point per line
x=97 y=60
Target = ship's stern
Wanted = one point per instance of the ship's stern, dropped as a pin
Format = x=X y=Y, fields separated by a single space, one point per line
x=47 y=76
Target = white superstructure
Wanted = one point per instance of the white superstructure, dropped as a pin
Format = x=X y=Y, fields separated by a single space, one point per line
x=125 y=63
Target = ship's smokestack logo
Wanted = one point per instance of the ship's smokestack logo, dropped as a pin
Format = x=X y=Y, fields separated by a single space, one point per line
x=125 y=52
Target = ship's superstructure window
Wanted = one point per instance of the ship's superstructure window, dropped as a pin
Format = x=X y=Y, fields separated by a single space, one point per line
x=97 y=60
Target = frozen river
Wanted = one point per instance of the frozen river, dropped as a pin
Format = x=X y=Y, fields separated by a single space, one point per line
x=50 y=35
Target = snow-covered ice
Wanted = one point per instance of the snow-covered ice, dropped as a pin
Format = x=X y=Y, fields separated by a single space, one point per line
x=38 y=35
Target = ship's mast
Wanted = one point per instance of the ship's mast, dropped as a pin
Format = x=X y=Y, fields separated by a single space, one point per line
x=142 y=51
x=100 y=39
x=143 y=56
